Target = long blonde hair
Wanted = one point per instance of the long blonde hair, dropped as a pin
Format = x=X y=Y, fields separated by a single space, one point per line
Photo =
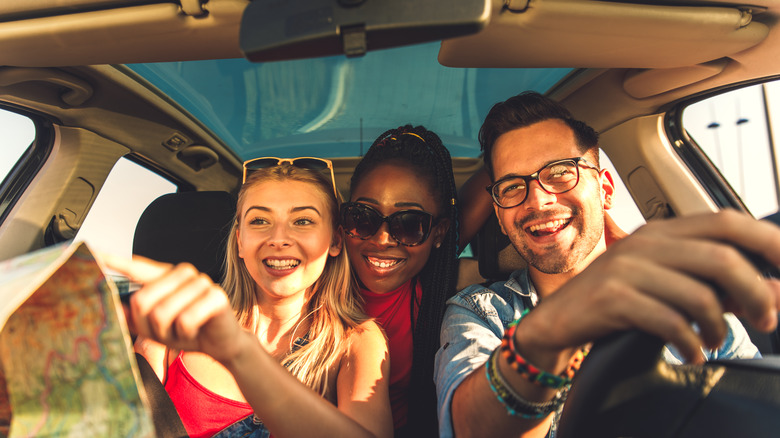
x=333 y=306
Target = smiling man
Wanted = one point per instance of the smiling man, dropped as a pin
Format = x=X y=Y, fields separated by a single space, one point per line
x=501 y=372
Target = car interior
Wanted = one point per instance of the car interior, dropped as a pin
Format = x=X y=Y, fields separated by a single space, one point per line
x=110 y=80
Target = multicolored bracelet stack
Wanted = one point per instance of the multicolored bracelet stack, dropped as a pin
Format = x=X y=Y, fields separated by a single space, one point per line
x=532 y=373
x=515 y=404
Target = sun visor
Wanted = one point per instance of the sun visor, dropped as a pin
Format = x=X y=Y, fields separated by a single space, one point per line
x=604 y=34
x=274 y=30
x=154 y=32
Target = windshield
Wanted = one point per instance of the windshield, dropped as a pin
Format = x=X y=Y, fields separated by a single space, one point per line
x=335 y=107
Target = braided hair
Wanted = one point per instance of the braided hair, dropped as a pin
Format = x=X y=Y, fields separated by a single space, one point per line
x=422 y=150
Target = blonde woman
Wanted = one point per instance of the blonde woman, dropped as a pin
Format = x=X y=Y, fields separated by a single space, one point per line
x=287 y=350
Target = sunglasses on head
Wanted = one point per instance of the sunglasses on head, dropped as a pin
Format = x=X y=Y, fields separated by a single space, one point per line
x=310 y=163
x=407 y=227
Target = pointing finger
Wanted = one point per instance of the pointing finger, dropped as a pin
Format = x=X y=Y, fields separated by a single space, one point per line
x=139 y=269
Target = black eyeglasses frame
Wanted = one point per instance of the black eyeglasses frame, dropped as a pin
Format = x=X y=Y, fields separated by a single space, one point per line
x=578 y=161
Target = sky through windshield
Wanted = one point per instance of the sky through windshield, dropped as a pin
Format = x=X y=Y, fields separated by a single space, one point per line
x=336 y=106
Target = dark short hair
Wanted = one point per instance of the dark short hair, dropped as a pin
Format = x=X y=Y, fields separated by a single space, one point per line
x=523 y=110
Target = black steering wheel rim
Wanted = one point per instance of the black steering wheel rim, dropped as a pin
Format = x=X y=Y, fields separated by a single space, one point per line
x=625 y=388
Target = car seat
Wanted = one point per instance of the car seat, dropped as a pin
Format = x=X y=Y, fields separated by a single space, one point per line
x=187 y=227
x=181 y=227
x=495 y=253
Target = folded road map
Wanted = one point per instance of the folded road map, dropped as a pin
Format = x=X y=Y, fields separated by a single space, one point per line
x=65 y=349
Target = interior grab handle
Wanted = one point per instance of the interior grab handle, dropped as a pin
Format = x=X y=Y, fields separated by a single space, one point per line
x=77 y=91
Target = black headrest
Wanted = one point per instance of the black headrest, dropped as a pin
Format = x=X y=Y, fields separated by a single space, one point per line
x=497 y=257
x=187 y=227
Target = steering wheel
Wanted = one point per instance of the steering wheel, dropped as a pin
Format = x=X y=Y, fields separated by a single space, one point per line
x=626 y=389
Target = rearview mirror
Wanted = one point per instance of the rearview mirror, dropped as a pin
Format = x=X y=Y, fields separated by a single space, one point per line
x=274 y=30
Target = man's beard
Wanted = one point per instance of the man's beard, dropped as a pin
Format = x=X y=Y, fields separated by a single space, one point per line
x=557 y=259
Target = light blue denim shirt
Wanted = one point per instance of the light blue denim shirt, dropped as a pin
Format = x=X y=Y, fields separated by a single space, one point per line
x=474 y=324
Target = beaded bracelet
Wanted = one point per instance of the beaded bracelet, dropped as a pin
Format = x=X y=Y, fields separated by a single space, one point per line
x=514 y=403
x=532 y=373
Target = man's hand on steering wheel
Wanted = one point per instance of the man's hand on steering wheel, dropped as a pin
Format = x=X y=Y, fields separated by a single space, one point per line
x=658 y=280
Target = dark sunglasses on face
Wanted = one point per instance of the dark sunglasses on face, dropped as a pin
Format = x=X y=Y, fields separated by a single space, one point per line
x=407 y=227
x=310 y=163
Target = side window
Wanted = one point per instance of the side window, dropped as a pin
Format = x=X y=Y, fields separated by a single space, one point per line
x=736 y=130
x=18 y=156
x=624 y=210
x=18 y=135
x=128 y=190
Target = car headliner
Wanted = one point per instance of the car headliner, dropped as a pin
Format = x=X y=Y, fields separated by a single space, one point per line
x=639 y=57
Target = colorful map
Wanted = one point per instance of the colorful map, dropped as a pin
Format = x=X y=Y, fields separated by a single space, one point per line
x=65 y=350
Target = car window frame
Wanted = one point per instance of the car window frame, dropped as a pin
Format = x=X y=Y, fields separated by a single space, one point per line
x=698 y=163
x=30 y=162
x=178 y=184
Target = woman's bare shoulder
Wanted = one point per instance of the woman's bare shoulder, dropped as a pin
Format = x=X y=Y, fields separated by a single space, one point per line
x=156 y=354
x=368 y=335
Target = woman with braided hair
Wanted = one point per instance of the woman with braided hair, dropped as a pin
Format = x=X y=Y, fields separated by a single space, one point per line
x=402 y=225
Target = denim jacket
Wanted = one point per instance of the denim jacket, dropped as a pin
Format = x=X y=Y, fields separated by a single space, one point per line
x=474 y=324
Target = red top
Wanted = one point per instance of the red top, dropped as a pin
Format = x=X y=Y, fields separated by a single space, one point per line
x=392 y=311
x=203 y=412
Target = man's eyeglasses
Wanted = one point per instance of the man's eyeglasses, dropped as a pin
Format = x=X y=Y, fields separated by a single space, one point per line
x=554 y=178
x=407 y=227
x=310 y=163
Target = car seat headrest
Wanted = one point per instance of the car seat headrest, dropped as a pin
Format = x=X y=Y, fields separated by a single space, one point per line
x=497 y=257
x=187 y=227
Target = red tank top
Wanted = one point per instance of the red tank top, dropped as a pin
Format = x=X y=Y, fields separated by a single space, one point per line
x=392 y=311
x=203 y=412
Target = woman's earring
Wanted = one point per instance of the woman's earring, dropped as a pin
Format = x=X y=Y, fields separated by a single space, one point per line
x=437 y=245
